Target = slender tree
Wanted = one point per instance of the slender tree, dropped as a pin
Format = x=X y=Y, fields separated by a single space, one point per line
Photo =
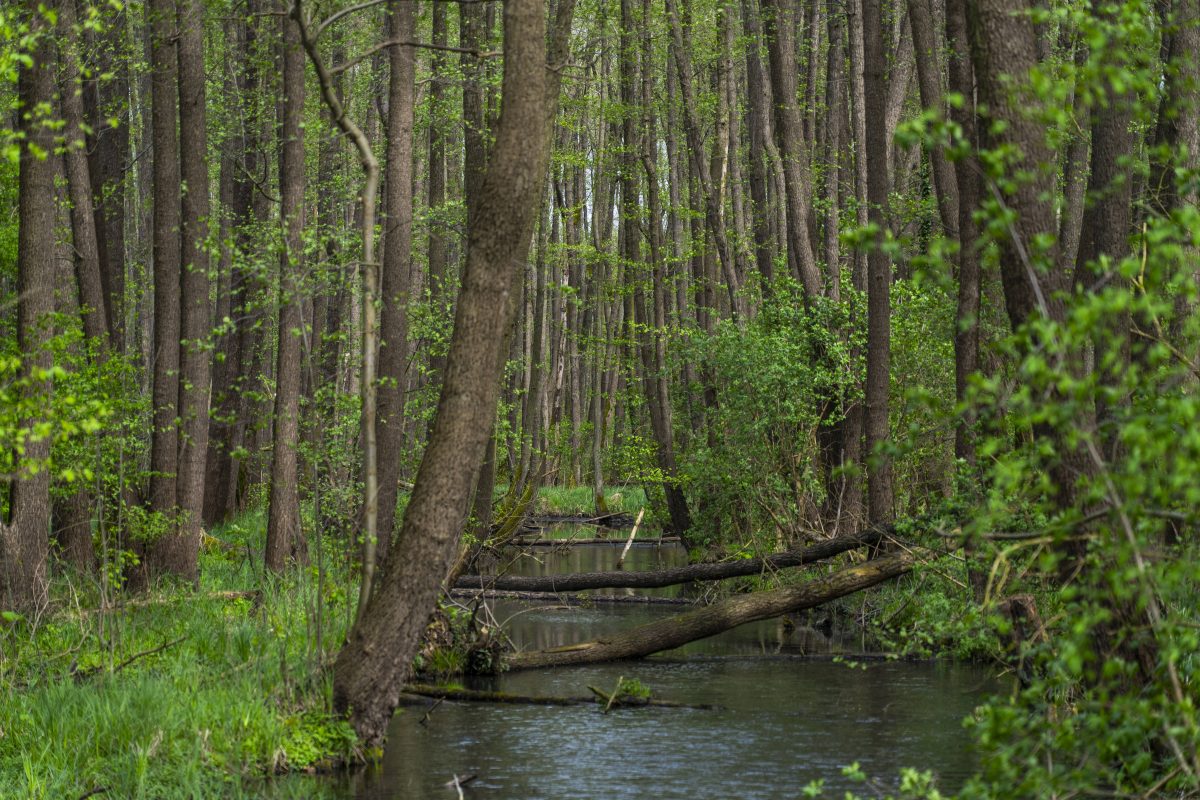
x=164 y=118
x=196 y=325
x=283 y=517
x=397 y=266
x=879 y=272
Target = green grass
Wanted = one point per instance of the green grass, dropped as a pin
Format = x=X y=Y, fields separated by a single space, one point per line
x=234 y=696
x=579 y=500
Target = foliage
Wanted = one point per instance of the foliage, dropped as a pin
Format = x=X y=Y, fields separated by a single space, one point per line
x=755 y=468
x=177 y=694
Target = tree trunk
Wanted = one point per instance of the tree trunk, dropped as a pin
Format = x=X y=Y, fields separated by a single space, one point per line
x=93 y=303
x=1107 y=224
x=109 y=161
x=835 y=91
x=371 y=668
x=929 y=82
x=25 y=538
x=1003 y=43
x=397 y=264
x=879 y=273
x=667 y=634
x=652 y=323
x=164 y=447
x=283 y=513
x=196 y=322
x=674 y=576
x=967 y=181
x=780 y=23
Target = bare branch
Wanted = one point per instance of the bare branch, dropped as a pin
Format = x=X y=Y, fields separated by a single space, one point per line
x=320 y=28
x=340 y=68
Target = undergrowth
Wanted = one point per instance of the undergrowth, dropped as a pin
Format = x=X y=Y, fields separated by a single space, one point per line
x=579 y=500
x=176 y=693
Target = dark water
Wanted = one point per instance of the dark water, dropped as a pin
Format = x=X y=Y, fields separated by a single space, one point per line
x=790 y=711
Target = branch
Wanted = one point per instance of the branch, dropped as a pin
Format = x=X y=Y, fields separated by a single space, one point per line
x=670 y=577
x=149 y=652
x=470 y=51
x=316 y=34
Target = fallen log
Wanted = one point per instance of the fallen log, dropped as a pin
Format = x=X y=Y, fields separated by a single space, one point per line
x=615 y=520
x=676 y=631
x=590 y=540
x=654 y=579
x=479 y=696
x=571 y=599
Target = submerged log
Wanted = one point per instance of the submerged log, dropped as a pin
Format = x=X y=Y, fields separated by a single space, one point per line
x=653 y=579
x=479 y=696
x=676 y=631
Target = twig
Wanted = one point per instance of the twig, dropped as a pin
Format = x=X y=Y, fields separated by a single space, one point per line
x=149 y=652
x=433 y=707
x=612 y=698
x=325 y=23
x=340 y=68
x=632 y=533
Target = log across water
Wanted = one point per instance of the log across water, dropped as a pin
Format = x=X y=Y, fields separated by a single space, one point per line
x=654 y=579
x=679 y=630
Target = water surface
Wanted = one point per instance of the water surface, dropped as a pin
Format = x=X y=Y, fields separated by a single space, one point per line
x=794 y=705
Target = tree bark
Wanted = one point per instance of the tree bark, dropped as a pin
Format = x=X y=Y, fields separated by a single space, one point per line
x=879 y=273
x=109 y=161
x=1107 y=224
x=967 y=181
x=164 y=447
x=397 y=265
x=178 y=553
x=25 y=538
x=677 y=631
x=283 y=512
x=835 y=92
x=370 y=669
x=780 y=23
x=929 y=82
x=93 y=303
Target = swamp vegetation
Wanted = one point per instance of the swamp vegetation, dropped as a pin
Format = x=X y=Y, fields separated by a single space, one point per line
x=726 y=397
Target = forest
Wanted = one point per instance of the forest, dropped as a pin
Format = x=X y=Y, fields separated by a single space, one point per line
x=328 y=327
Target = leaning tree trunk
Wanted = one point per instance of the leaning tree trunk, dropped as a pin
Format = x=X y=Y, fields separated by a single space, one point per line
x=780 y=19
x=92 y=300
x=371 y=668
x=672 y=632
x=25 y=538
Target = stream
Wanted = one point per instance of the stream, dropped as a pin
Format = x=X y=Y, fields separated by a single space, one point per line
x=793 y=705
